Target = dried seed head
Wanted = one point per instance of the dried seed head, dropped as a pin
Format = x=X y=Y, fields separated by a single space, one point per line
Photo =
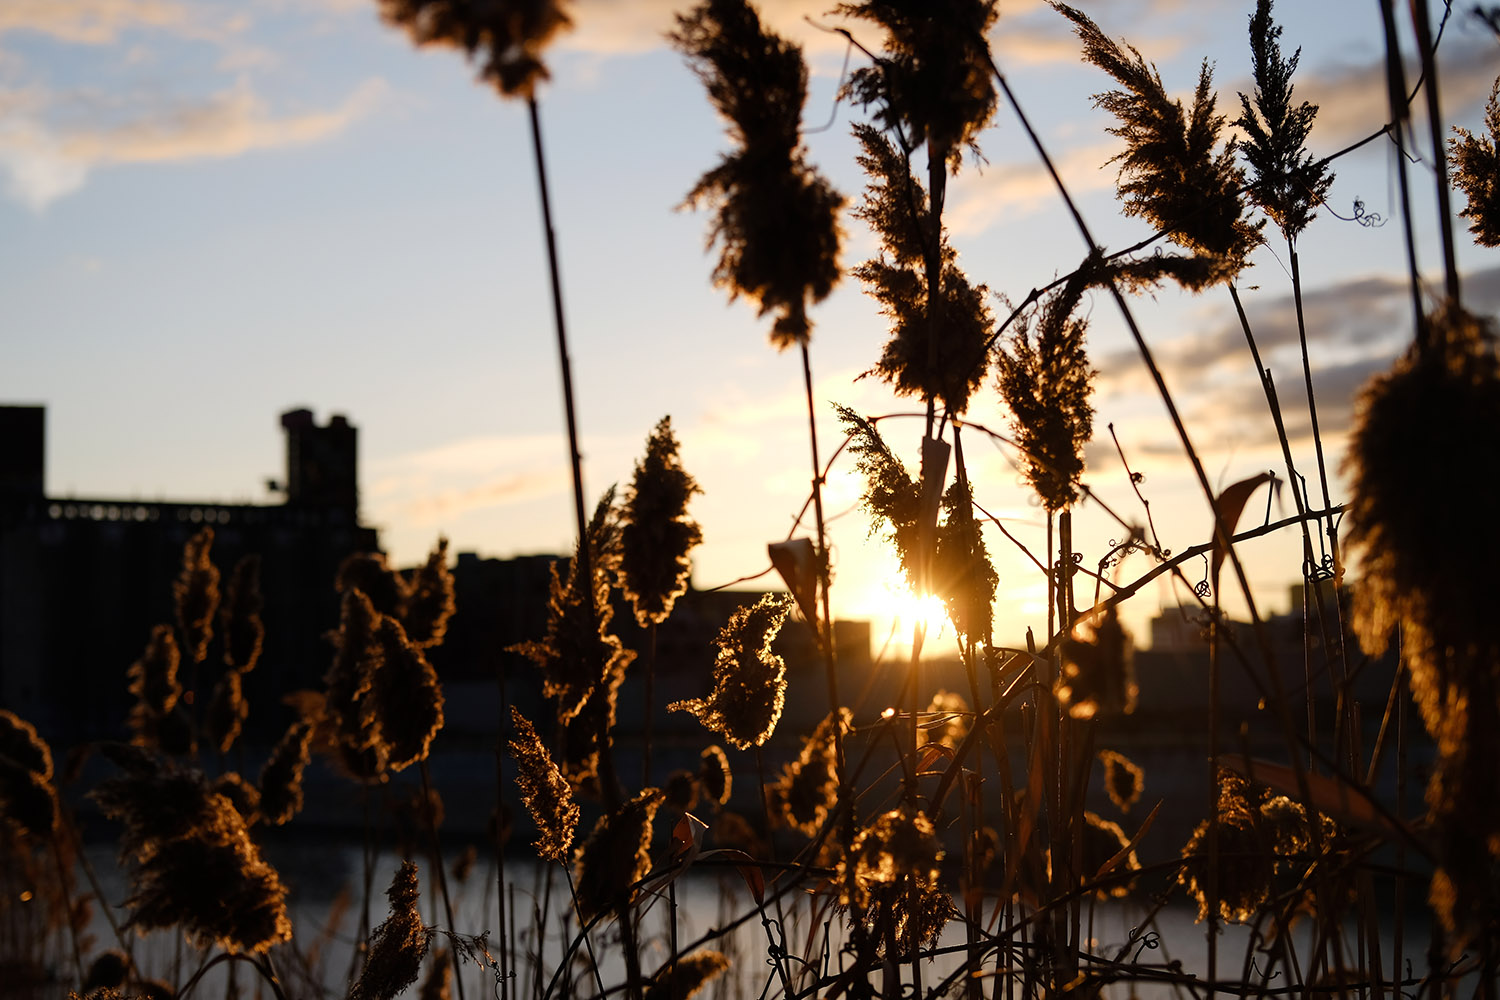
x=407 y=697
x=681 y=790
x=368 y=573
x=1476 y=172
x=1172 y=174
x=107 y=971
x=1098 y=672
x=239 y=616
x=895 y=844
x=350 y=699
x=153 y=678
x=962 y=572
x=503 y=38
x=1123 y=779
x=775 y=218
x=281 y=778
x=27 y=796
x=749 y=680
x=714 y=776
x=890 y=493
x=227 y=711
x=398 y=945
x=195 y=865
x=933 y=83
x=657 y=533
x=581 y=734
x=680 y=978
x=196 y=594
x=544 y=791
x=1102 y=840
x=808 y=787
x=427 y=599
x=616 y=855
x=1286 y=182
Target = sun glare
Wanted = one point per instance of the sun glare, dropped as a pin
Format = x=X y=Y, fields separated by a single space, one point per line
x=898 y=612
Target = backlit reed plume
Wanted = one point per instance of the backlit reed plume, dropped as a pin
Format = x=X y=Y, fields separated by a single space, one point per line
x=239 y=616
x=195 y=594
x=681 y=977
x=948 y=718
x=616 y=855
x=680 y=790
x=932 y=83
x=579 y=653
x=1476 y=172
x=714 y=776
x=544 y=791
x=153 y=681
x=1102 y=840
x=368 y=573
x=427 y=599
x=775 y=218
x=436 y=985
x=28 y=798
x=107 y=971
x=1435 y=418
x=1123 y=779
x=1285 y=181
x=582 y=735
x=195 y=866
x=407 y=698
x=281 y=777
x=749 y=689
x=808 y=787
x=1261 y=837
x=398 y=945
x=1172 y=173
x=890 y=493
x=656 y=534
x=891 y=873
x=1046 y=381
x=227 y=711
x=962 y=573
x=1098 y=668
x=503 y=38
x=896 y=206
x=349 y=703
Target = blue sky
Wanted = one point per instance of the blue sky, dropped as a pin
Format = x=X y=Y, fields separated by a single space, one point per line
x=211 y=212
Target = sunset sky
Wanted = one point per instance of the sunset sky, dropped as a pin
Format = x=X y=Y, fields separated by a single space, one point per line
x=211 y=212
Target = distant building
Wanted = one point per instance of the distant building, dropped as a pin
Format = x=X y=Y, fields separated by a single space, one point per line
x=83 y=579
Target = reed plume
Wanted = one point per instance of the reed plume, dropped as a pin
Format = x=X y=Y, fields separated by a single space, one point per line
x=281 y=777
x=775 y=218
x=681 y=977
x=714 y=775
x=1046 y=381
x=239 y=616
x=615 y=856
x=1417 y=577
x=1098 y=673
x=349 y=703
x=368 y=573
x=504 y=38
x=427 y=599
x=749 y=689
x=656 y=534
x=153 y=681
x=241 y=794
x=1285 y=181
x=406 y=697
x=1123 y=779
x=195 y=594
x=1476 y=172
x=194 y=863
x=398 y=945
x=227 y=711
x=547 y=795
x=28 y=797
x=808 y=787
x=1172 y=173
x=936 y=350
x=891 y=872
x=1102 y=840
x=962 y=573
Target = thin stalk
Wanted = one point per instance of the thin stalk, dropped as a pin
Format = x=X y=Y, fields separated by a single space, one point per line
x=501 y=723
x=67 y=898
x=823 y=631
x=442 y=874
x=1395 y=77
x=1423 y=24
x=650 y=700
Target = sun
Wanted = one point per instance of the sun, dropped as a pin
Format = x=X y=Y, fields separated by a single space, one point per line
x=899 y=611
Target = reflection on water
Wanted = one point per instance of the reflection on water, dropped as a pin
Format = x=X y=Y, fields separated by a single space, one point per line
x=325 y=882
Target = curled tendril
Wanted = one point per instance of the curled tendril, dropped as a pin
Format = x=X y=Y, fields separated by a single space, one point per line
x=1369 y=220
x=1149 y=941
x=1202 y=588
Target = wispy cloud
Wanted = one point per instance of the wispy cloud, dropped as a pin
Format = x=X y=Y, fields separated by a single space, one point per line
x=99 y=22
x=1012 y=190
x=49 y=143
